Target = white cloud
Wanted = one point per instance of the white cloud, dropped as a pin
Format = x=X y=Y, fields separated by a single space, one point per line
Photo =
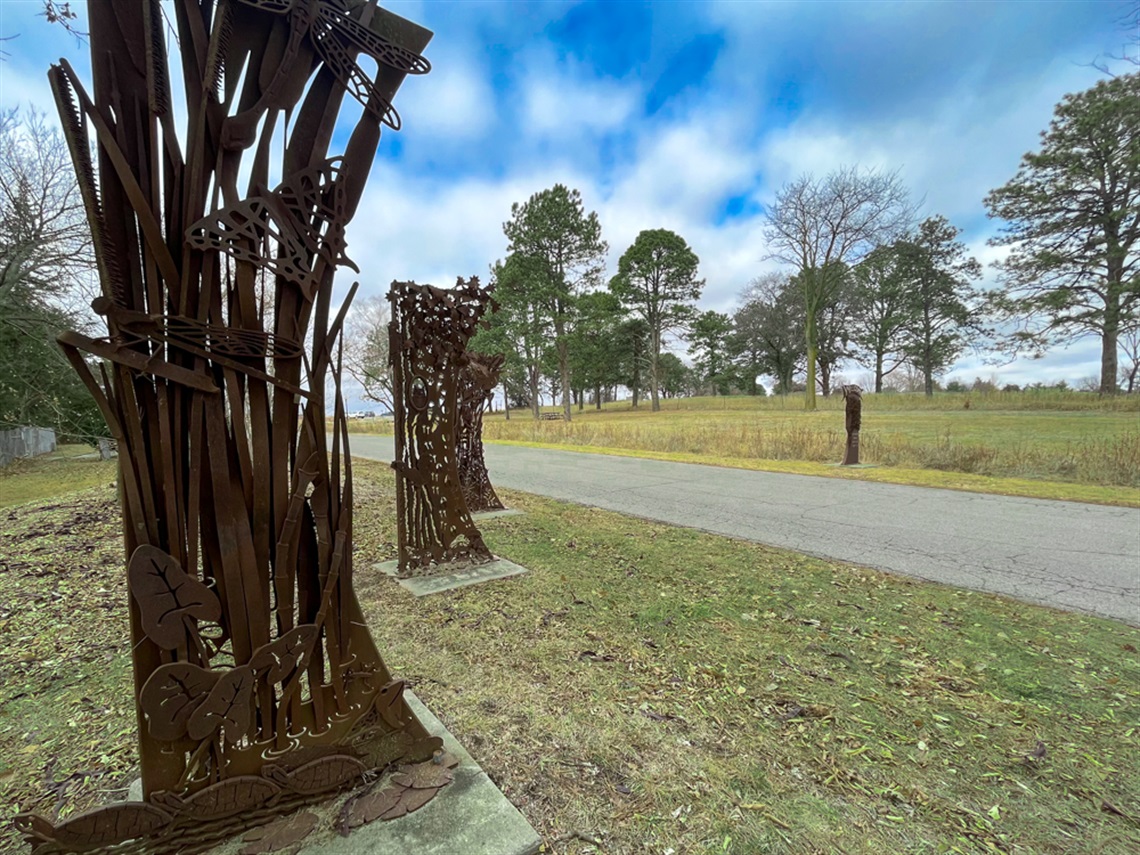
x=560 y=104
x=459 y=104
x=950 y=156
x=409 y=227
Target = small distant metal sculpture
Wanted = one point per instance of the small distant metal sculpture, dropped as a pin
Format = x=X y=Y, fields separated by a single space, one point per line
x=428 y=337
x=853 y=397
x=477 y=383
x=258 y=688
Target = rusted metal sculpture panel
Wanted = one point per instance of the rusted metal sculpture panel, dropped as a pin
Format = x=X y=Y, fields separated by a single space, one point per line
x=257 y=685
x=428 y=337
x=853 y=399
x=477 y=383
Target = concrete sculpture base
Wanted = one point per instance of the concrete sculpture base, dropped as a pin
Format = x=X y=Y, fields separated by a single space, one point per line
x=469 y=816
x=420 y=586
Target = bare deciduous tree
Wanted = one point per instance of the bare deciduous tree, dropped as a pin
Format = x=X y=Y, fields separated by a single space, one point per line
x=820 y=226
x=366 y=349
x=1129 y=343
x=46 y=277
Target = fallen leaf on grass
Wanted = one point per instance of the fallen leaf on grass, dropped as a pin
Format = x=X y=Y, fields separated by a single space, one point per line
x=1037 y=754
x=656 y=716
x=592 y=656
x=1109 y=807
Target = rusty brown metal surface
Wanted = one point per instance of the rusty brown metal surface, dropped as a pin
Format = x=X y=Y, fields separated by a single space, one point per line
x=428 y=336
x=853 y=399
x=258 y=688
x=477 y=382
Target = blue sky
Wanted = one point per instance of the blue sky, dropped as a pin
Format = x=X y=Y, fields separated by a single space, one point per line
x=690 y=116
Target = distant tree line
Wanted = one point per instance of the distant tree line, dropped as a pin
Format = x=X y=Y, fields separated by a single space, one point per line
x=860 y=280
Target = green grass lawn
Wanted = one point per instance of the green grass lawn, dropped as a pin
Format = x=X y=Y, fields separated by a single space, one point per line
x=53 y=474
x=650 y=688
x=1042 y=445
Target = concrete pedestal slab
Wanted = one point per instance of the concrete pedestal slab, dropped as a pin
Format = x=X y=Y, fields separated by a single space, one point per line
x=490 y=515
x=420 y=586
x=470 y=816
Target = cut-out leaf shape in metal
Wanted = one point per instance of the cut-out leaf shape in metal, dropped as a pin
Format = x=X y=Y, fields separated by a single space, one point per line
x=410 y=800
x=167 y=596
x=100 y=827
x=327 y=773
x=172 y=694
x=225 y=798
x=279 y=835
x=228 y=709
x=370 y=807
x=423 y=776
x=282 y=657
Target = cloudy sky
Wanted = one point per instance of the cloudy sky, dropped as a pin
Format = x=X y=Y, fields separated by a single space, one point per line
x=690 y=116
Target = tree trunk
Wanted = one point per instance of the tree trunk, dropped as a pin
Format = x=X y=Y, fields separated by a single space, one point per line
x=809 y=334
x=654 y=391
x=506 y=402
x=825 y=379
x=878 y=372
x=1109 y=367
x=563 y=349
x=535 y=400
x=598 y=398
x=927 y=347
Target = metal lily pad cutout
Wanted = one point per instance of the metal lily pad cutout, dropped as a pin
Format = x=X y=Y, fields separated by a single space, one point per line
x=227 y=710
x=289 y=653
x=169 y=600
x=173 y=694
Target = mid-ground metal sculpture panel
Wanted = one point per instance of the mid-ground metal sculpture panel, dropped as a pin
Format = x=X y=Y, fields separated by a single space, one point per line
x=477 y=383
x=429 y=331
x=257 y=684
x=853 y=400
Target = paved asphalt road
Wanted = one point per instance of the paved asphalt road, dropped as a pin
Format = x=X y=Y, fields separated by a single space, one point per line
x=1063 y=554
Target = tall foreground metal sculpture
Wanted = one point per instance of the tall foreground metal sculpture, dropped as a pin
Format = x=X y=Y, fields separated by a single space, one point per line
x=429 y=331
x=257 y=685
x=476 y=387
